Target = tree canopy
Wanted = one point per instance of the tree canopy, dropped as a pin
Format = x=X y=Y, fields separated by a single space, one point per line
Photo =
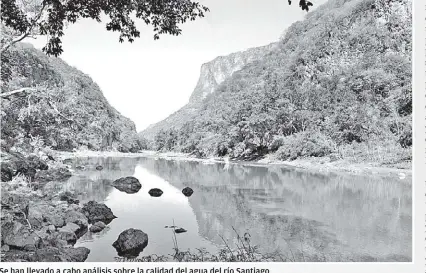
x=25 y=18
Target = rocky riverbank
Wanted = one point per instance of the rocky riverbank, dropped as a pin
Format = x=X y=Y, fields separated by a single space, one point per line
x=39 y=221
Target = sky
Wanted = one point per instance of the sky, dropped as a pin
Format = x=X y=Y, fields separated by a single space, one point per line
x=148 y=80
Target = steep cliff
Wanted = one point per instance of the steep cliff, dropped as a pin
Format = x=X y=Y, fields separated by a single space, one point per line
x=215 y=72
x=212 y=74
x=338 y=83
x=65 y=110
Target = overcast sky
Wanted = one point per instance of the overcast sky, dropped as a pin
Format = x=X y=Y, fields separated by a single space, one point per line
x=148 y=80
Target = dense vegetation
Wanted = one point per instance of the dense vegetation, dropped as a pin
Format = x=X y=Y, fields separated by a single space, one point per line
x=338 y=83
x=64 y=110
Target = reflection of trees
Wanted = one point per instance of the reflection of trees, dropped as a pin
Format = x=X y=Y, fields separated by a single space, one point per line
x=91 y=184
x=280 y=207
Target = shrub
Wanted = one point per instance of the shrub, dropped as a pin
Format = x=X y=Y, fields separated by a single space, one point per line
x=305 y=144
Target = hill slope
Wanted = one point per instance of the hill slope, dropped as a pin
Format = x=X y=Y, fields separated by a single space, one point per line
x=338 y=83
x=67 y=110
x=212 y=74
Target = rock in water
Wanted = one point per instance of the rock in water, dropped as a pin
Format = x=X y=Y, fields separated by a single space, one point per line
x=127 y=184
x=99 y=168
x=180 y=230
x=95 y=212
x=187 y=191
x=97 y=227
x=131 y=242
x=155 y=192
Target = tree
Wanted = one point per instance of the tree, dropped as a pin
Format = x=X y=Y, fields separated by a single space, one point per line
x=27 y=18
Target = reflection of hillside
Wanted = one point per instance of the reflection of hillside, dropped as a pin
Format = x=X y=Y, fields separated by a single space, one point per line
x=91 y=184
x=329 y=214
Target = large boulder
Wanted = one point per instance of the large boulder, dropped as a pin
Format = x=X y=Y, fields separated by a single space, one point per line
x=131 y=242
x=59 y=174
x=155 y=192
x=95 y=212
x=19 y=236
x=78 y=218
x=97 y=227
x=71 y=232
x=41 y=214
x=127 y=184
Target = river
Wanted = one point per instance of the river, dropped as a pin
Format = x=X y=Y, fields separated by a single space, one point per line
x=302 y=215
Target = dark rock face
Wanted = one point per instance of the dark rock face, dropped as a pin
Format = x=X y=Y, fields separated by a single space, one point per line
x=155 y=192
x=127 y=184
x=99 y=168
x=97 y=227
x=187 y=191
x=69 y=197
x=60 y=174
x=131 y=242
x=97 y=212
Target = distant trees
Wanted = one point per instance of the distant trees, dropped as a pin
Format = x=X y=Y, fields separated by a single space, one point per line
x=314 y=95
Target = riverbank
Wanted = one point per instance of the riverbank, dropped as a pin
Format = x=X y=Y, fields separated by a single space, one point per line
x=40 y=220
x=314 y=164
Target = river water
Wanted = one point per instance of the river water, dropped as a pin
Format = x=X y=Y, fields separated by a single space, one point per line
x=303 y=216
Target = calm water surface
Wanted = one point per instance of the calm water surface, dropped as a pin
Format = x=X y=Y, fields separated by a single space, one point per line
x=304 y=216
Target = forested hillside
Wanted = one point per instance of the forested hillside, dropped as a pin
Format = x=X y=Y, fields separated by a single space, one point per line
x=337 y=83
x=66 y=109
x=212 y=74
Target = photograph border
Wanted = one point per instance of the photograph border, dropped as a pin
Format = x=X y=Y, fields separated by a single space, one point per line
x=418 y=263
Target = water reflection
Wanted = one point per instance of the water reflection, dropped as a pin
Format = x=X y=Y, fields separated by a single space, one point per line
x=312 y=217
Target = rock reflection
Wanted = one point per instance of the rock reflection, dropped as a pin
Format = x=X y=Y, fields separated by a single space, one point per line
x=320 y=217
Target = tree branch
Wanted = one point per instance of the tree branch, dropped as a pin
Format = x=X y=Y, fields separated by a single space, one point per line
x=7 y=94
x=26 y=33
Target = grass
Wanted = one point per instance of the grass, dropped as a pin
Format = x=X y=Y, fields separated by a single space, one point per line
x=244 y=251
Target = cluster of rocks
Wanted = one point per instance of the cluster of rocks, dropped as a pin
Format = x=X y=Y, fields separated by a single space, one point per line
x=43 y=230
x=132 y=241
x=40 y=228
x=32 y=166
x=132 y=185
